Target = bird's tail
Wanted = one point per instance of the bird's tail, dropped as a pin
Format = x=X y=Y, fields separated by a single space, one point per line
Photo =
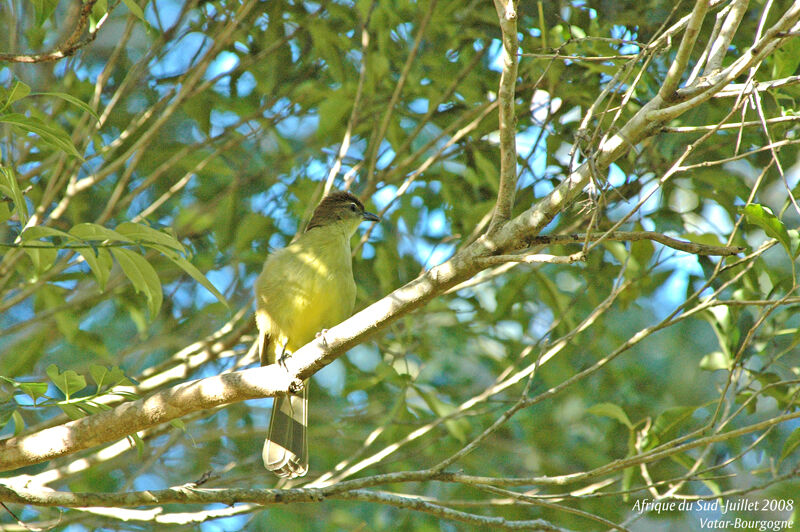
x=286 y=448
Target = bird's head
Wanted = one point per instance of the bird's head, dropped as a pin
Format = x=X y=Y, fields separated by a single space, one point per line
x=340 y=207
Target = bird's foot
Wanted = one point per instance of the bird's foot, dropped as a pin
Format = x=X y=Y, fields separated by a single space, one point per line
x=285 y=355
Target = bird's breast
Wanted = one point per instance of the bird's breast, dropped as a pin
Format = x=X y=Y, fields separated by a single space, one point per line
x=304 y=288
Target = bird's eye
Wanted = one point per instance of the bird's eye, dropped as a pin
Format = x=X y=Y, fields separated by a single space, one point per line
x=354 y=207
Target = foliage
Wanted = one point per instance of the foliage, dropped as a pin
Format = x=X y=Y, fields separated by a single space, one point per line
x=144 y=180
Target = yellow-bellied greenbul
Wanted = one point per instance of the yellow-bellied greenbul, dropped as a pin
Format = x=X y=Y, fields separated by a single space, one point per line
x=304 y=288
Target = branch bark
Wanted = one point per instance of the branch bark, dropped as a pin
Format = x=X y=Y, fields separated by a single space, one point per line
x=507 y=14
x=680 y=245
x=69 y=46
x=678 y=66
x=129 y=418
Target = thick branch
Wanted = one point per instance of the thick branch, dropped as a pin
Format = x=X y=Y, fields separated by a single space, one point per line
x=127 y=418
x=506 y=12
x=192 y=495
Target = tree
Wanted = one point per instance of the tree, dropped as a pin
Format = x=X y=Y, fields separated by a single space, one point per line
x=579 y=311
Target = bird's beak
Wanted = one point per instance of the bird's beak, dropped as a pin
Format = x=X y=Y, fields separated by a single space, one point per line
x=371 y=217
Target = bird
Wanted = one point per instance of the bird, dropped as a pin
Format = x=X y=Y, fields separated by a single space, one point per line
x=304 y=289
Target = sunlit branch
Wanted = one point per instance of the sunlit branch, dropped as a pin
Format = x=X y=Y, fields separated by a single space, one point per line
x=506 y=95
x=127 y=418
x=720 y=45
x=678 y=66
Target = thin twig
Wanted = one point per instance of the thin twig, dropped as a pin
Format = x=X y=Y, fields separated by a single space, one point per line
x=681 y=245
x=72 y=44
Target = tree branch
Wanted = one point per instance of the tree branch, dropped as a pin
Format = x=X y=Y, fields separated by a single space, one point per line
x=189 y=494
x=678 y=66
x=680 y=245
x=506 y=12
x=71 y=45
x=131 y=417
x=532 y=258
x=720 y=45
x=549 y=240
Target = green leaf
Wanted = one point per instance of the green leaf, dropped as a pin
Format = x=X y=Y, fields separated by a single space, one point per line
x=10 y=188
x=487 y=170
x=5 y=212
x=19 y=423
x=88 y=341
x=99 y=263
x=794 y=240
x=136 y=10
x=68 y=382
x=333 y=112
x=785 y=59
x=146 y=235
x=196 y=274
x=456 y=427
x=611 y=410
x=91 y=407
x=714 y=361
x=99 y=9
x=44 y=8
x=136 y=440
x=34 y=390
x=98 y=374
x=142 y=275
x=49 y=132
x=6 y=412
x=667 y=423
x=72 y=411
x=17 y=92
x=108 y=378
x=39 y=231
x=642 y=250
x=790 y=444
x=772 y=226
x=71 y=99
x=93 y=232
x=384 y=269
x=43 y=256
x=130 y=395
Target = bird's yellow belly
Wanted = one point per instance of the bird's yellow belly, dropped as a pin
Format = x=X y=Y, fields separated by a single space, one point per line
x=323 y=307
x=312 y=295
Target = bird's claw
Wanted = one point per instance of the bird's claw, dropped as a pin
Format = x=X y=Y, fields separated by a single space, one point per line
x=286 y=355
